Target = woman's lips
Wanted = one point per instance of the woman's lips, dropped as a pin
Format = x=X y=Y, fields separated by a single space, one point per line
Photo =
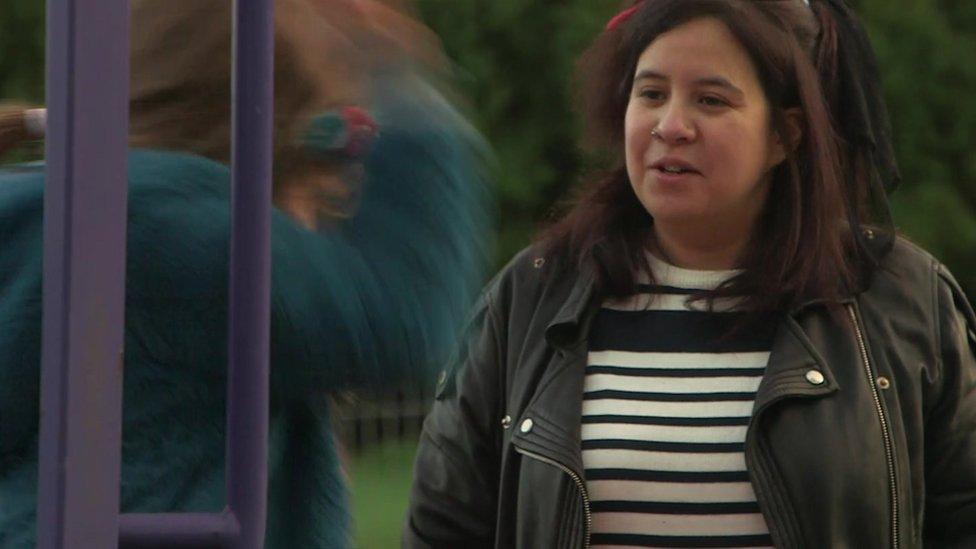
x=672 y=177
x=673 y=165
x=673 y=170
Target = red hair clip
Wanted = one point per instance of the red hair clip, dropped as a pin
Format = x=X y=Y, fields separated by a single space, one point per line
x=347 y=132
x=618 y=19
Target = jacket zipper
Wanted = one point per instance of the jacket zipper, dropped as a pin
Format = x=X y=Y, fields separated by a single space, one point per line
x=885 y=431
x=579 y=484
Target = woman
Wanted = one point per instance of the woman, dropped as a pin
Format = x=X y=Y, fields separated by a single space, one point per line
x=722 y=344
x=371 y=295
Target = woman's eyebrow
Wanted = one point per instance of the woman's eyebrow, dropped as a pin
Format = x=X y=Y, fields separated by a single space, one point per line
x=720 y=82
x=647 y=74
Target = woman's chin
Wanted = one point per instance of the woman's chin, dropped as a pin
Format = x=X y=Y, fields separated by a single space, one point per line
x=674 y=210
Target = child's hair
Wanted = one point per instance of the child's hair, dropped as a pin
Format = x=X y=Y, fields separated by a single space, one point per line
x=180 y=85
x=180 y=89
x=13 y=127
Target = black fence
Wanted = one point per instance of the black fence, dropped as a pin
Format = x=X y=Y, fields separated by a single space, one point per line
x=365 y=419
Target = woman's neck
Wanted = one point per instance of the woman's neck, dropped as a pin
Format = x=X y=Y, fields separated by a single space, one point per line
x=698 y=249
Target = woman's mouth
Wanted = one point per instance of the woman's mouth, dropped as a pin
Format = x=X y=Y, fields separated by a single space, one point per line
x=673 y=166
x=674 y=170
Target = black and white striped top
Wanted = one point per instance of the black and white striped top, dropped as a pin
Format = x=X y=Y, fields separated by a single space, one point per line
x=666 y=404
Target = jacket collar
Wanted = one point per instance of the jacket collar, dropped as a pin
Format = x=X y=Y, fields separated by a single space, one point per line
x=564 y=329
x=792 y=357
x=568 y=327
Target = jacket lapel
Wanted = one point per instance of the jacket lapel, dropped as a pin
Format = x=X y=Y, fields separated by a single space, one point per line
x=550 y=424
x=555 y=411
x=795 y=368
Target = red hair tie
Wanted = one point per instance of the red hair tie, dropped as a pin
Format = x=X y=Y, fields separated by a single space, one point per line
x=622 y=16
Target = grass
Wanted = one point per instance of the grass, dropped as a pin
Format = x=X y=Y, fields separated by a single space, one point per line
x=381 y=479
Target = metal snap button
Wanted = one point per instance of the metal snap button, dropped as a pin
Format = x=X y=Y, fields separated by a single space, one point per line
x=815 y=377
x=526 y=426
x=506 y=422
x=539 y=262
x=883 y=382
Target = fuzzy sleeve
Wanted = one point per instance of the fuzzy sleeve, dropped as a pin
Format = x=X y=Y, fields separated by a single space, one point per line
x=382 y=297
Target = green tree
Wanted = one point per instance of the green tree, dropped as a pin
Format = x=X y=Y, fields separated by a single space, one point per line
x=925 y=50
x=514 y=62
x=516 y=59
x=22 y=50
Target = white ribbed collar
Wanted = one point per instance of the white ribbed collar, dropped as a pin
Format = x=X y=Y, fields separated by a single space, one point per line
x=667 y=274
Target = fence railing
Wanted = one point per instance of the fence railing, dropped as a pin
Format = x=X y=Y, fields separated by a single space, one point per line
x=367 y=419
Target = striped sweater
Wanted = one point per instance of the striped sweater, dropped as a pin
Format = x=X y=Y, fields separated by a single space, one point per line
x=667 y=400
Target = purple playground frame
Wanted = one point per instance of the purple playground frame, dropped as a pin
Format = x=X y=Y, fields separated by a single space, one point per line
x=84 y=287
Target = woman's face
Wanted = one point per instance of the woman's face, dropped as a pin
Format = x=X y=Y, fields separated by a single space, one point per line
x=698 y=138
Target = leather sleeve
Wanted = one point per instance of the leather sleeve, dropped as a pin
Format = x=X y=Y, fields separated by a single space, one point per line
x=950 y=440
x=453 y=501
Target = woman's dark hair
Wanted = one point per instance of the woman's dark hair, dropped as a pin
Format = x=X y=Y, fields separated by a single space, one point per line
x=809 y=242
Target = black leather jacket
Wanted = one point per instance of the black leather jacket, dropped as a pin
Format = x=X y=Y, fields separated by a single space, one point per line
x=879 y=450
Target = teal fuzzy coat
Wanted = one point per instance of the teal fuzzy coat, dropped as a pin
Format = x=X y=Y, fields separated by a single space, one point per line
x=370 y=303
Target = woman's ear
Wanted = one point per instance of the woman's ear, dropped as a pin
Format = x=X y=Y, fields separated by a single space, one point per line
x=794 y=127
x=793 y=123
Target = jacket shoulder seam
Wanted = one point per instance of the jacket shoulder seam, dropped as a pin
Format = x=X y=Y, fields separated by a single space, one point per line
x=936 y=324
x=440 y=449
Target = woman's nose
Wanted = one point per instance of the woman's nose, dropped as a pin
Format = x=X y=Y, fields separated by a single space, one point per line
x=675 y=125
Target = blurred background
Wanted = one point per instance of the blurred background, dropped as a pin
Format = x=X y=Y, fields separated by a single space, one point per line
x=512 y=63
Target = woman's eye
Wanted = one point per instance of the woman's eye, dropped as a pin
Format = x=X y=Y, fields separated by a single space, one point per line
x=712 y=101
x=654 y=95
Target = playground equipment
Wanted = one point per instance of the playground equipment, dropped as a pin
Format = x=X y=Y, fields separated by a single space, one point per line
x=84 y=287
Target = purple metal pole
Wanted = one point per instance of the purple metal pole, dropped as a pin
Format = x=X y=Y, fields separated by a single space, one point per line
x=84 y=273
x=183 y=530
x=250 y=271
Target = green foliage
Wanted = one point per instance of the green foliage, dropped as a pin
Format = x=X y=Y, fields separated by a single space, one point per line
x=516 y=57
x=22 y=64
x=514 y=61
x=22 y=50
x=926 y=54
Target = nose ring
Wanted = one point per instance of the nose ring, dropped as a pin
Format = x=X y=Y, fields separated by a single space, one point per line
x=655 y=133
